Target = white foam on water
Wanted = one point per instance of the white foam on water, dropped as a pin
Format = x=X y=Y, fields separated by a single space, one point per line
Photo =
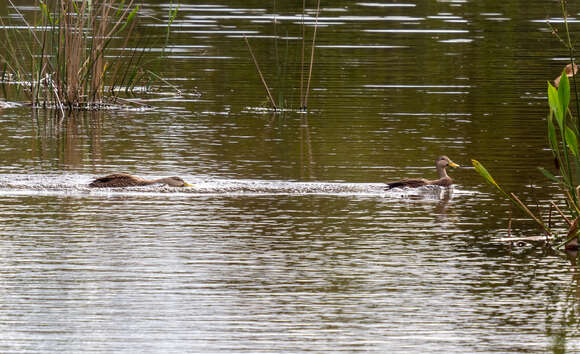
x=77 y=185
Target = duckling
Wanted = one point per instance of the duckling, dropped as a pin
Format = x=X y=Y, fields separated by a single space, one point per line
x=444 y=180
x=126 y=180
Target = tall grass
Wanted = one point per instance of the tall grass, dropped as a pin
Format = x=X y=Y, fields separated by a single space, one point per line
x=64 y=55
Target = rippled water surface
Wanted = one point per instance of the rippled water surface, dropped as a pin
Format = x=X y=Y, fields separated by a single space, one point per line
x=288 y=241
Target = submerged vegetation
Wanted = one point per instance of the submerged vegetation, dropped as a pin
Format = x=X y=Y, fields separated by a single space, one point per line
x=63 y=56
x=563 y=132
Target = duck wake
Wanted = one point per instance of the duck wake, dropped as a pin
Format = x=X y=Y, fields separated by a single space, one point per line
x=70 y=184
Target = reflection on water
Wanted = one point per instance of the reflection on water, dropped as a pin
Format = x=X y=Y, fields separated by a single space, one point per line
x=288 y=242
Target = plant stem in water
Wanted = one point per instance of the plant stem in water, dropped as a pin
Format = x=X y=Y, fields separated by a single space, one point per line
x=312 y=56
x=260 y=74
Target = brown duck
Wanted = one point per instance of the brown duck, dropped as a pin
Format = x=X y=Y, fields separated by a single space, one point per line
x=444 y=180
x=126 y=180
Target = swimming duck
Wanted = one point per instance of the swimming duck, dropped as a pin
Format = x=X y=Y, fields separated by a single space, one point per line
x=444 y=180
x=127 y=180
x=569 y=73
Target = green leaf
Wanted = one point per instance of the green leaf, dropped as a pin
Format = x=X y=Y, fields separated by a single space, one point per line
x=46 y=13
x=487 y=176
x=564 y=92
x=549 y=175
x=552 y=138
x=120 y=8
x=75 y=6
x=132 y=14
x=172 y=14
x=554 y=102
x=128 y=19
x=572 y=141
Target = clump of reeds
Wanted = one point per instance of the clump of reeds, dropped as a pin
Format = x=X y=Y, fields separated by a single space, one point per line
x=563 y=132
x=62 y=56
x=304 y=82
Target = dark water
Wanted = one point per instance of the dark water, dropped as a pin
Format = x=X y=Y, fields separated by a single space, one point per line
x=287 y=242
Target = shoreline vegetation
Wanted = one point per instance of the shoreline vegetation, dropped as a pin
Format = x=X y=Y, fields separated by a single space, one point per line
x=563 y=132
x=61 y=58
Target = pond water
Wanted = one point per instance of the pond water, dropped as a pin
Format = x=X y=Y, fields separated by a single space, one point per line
x=288 y=241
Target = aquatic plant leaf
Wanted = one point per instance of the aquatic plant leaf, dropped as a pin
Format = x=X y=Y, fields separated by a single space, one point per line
x=487 y=176
x=572 y=141
x=549 y=175
x=554 y=102
x=564 y=93
x=552 y=138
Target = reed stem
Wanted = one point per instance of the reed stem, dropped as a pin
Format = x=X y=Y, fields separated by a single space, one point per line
x=312 y=56
x=260 y=73
x=302 y=57
x=525 y=208
x=561 y=213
